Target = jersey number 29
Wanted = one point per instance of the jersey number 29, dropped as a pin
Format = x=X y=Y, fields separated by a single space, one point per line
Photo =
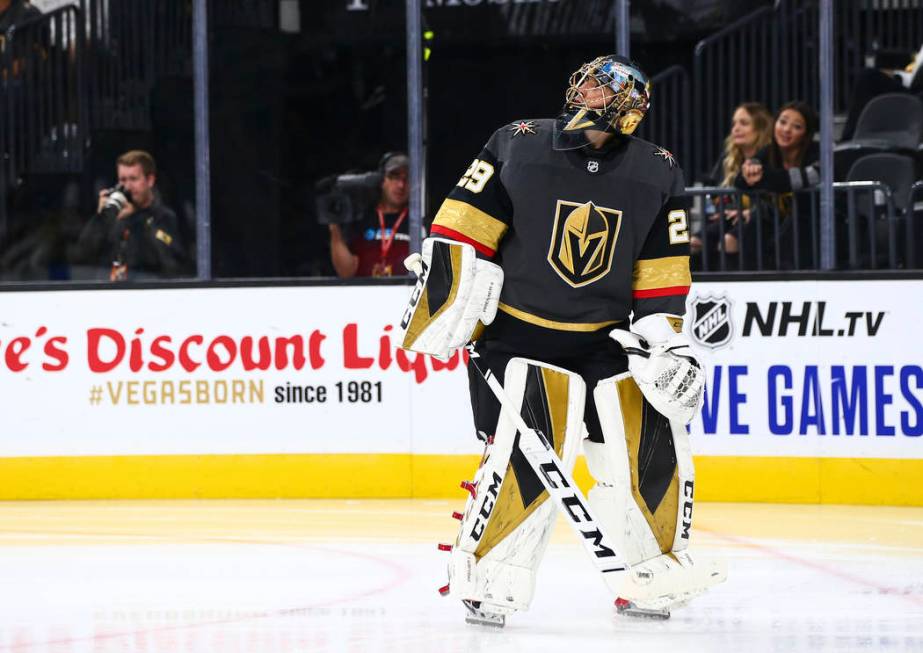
x=476 y=176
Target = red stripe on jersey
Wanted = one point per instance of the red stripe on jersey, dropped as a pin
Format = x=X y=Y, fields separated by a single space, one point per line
x=660 y=292
x=462 y=238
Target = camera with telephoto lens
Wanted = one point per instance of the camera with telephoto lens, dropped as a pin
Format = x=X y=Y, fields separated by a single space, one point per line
x=116 y=199
x=340 y=199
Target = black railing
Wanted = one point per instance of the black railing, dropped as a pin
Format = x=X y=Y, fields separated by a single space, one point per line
x=44 y=112
x=719 y=215
x=130 y=45
x=77 y=68
x=120 y=57
x=728 y=68
x=887 y=25
x=797 y=47
x=768 y=56
x=668 y=123
x=915 y=225
x=866 y=27
x=782 y=232
x=173 y=38
x=771 y=55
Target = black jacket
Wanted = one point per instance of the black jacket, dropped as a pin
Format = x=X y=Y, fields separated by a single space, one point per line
x=145 y=242
x=777 y=179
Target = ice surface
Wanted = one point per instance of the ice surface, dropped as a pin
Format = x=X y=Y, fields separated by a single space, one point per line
x=279 y=576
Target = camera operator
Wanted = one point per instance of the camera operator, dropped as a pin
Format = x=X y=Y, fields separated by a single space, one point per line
x=133 y=235
x=372 y=238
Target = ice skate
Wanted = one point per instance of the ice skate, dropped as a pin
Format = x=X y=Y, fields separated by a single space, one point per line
x=627 y=608
x=480 y=617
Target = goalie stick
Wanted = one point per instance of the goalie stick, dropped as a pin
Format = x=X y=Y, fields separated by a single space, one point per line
x=559 y=483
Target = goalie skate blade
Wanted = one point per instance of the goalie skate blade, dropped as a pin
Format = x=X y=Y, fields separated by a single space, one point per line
x=477 y=617
x=491 y=621
x=629 y=609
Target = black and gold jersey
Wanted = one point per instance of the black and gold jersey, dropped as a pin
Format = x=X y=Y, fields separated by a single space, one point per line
x=585 y=237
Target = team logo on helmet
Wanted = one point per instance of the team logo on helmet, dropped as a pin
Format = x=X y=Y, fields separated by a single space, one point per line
x=711 y=321
x=583 y=241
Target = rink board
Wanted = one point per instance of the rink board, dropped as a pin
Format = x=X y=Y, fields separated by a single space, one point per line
x=815 y=394
x=718 y=478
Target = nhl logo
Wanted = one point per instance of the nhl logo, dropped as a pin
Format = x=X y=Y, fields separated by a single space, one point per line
x=711 y=321
x=592 y=167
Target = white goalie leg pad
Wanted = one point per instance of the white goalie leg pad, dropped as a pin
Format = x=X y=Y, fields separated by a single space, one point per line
x=454 y=291
x=503 y=581
x=503 y=578
x=508 y=519
x=644 y=492
x=611 y=498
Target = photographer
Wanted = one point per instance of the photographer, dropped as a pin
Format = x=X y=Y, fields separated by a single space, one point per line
x=369 y=238
x=133 y=235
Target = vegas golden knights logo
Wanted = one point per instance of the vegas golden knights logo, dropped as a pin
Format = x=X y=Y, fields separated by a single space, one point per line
x=583 y=241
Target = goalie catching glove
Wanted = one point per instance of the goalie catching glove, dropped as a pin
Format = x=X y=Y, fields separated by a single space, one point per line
x=663 y=365
x=454 y=291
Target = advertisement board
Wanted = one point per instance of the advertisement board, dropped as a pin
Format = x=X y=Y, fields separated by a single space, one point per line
x=221 y=371
x=825 y=368
x=815 y=393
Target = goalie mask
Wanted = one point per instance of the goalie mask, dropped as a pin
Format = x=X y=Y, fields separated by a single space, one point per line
x=609 y=94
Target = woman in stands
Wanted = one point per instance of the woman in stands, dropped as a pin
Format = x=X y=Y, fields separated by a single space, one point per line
x=751 y=130
x=788 y=164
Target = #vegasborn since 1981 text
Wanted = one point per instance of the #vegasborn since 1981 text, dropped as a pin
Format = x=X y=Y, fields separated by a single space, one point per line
x=344 y=392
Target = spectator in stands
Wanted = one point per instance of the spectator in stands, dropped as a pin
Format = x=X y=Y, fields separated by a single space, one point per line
x=377 y=244
x=788 y=164
x=133 y=236
x=14 y=13
x=872 y=82
x=751 y=130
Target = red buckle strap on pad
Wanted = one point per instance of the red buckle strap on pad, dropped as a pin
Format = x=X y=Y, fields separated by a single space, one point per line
x=471 y=487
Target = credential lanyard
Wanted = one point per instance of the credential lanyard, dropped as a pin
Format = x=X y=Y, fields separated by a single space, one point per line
x=386 y=242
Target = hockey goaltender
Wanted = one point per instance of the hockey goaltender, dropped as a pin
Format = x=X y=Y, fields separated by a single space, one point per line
x=563 y=254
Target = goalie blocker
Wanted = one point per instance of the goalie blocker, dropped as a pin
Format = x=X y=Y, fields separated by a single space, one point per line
x=454 y=291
